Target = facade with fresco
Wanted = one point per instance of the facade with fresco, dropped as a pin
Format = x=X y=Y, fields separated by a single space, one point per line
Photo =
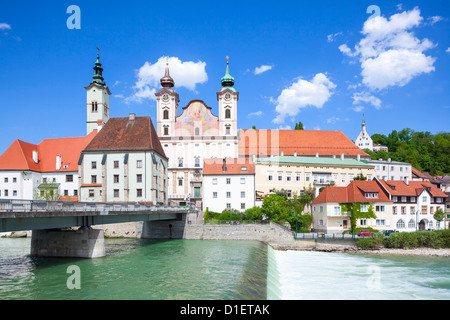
x=194 y=135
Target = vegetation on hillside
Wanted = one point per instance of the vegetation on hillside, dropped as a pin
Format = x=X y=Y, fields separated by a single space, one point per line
x=425 y=151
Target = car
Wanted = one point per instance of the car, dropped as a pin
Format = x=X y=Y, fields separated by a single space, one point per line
x=365 y=233
x=387 y=232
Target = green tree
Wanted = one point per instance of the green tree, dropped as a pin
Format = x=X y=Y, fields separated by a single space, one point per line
x=47 y=191
x=439 y=216
x=299 y=126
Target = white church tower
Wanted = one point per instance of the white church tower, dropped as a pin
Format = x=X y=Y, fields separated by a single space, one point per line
x=364 y=141
x=97 y=102
x=166 y=106
x=227 y=98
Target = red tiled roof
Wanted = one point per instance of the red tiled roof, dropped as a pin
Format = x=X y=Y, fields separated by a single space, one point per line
x=303 y=142
x=412 y=189
x=233 y=166
x=124 y=134
x=354 y=192
x=19 y=155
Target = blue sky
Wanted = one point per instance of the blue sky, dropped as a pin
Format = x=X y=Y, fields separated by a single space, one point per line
x=323 y=62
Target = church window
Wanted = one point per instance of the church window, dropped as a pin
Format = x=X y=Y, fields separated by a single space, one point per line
x=166 y=131
x=166 y=114
x=228 y=114
x=197 y=162
x=227 y=130
x=94 y=106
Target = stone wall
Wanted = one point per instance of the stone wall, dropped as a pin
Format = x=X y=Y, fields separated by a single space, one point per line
x=273 y=234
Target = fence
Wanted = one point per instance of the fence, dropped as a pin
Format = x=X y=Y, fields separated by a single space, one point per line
x=300 y=236
x=66 y=206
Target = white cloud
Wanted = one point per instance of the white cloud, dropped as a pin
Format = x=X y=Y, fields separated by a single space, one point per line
x=391 y=55
x=255 y=114
x=333 y=120
x=5 y=26
x=302 y=94
x=448 y=50
x=285 y=127
x=332 y=37
x=366 y=97
x=186 y=74
x=261 y=69
x=434 y=19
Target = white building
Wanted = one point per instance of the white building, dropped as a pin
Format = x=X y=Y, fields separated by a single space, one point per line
x=228 y=183
x=46 y=171
x=392 y=170
x=329 y=214
x=195 y=135
x=364 y=141
x=414 y=204
x=124 y=163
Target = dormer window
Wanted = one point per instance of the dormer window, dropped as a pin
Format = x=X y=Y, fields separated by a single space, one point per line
x=371 y=195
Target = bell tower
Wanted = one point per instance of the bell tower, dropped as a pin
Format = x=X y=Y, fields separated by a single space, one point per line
x=227 y=98
x=97 y=99
x=166 y=105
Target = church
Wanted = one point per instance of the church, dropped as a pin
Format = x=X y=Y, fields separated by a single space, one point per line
x=195 y=135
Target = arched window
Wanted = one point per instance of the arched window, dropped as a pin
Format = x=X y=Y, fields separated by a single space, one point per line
x=166 y=114
x=228 y=114
x=411 y=224
x=197 y=131
x=400 y=224
x=94 y=106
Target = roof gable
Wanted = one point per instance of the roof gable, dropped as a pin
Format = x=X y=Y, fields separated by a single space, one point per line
x=127 y=134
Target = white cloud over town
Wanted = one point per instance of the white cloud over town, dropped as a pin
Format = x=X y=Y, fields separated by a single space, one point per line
x=302 y=94
x=187 y=74
x=5 y=26
x=390 y=54
x=261 y=69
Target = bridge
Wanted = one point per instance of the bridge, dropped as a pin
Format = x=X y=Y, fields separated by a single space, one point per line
x=53 y=222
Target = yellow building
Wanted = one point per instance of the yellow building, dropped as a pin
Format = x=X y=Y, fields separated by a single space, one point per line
x=294 y=173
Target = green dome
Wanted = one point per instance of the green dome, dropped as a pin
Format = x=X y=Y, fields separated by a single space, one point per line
x=227 y=80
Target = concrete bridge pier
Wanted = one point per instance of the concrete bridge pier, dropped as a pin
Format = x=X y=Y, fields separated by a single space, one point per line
x=82 y=243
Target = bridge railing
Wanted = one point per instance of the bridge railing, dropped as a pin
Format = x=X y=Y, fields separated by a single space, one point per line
x=61 y=206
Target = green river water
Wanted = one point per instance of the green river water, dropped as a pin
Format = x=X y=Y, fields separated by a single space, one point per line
x=217 y=270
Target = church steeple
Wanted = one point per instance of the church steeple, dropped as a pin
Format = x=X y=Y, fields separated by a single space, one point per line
x=227 y=80
x=98 y=77
x=97 y=99
x=167 y=81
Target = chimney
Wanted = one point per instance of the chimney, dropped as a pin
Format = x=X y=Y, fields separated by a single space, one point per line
x=58 y=162
x=99 y=125
x=35 y=157
x=132 y=116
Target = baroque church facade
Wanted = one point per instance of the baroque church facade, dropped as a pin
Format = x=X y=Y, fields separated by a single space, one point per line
x=195 y=135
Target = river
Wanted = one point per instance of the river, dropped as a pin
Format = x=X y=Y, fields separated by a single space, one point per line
x=217 y=270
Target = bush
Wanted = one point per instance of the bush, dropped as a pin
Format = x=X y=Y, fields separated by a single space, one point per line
x=402 y=240
x=373 y=242
x=430 y=239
